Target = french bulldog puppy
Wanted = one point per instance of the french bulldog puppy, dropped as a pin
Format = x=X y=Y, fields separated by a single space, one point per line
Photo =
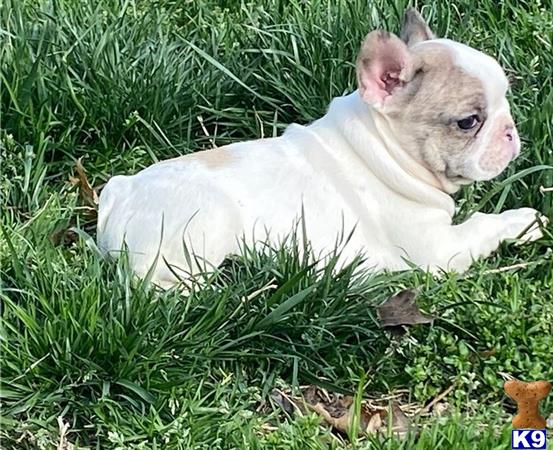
x=429 y=116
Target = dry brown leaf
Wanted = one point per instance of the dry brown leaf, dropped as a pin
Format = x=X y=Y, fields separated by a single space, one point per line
x=401 y=309
x=64 y=236
x=340 y=422
x=87 y=194
x=400 y=422
x=374 y=425
x=338 y=411
x=287 y=403
x=89 y=200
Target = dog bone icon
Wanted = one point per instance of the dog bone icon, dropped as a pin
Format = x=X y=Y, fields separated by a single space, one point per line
x=527 y=396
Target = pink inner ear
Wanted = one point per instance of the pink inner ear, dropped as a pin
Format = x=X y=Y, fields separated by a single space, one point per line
x=379 y=85
x=380 y=72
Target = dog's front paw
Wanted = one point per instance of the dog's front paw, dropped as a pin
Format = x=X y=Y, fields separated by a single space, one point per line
x=523 y=224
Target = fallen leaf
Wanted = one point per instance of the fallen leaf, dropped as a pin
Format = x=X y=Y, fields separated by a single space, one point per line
x=338 y=411
x=400 y=422
x=336 y=405
x=87 y=194
x=284 y=401
x=401 y=309
x=88 y=212
x=374 y=425
x=64 y=236
x=340 y=421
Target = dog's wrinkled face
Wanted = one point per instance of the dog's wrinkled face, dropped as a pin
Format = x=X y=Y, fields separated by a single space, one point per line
x=444 y=100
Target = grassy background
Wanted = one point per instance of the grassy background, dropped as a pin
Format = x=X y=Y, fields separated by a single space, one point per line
x=126 y=83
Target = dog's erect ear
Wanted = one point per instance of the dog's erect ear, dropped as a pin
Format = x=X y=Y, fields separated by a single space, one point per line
x=383 y=65
x=414 y=29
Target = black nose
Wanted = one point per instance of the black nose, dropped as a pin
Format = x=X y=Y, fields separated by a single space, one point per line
x=509 y=133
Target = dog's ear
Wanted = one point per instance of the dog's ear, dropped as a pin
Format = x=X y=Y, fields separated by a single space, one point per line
x=384 y=64
x=414 y=28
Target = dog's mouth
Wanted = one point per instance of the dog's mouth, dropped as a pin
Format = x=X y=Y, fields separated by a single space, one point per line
x=456 y=178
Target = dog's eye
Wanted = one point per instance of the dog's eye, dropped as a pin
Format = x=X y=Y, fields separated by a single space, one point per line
x=468 y=122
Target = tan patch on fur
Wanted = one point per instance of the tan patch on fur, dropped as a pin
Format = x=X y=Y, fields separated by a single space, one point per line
x=215 y=158
x=427 y=109
x=444 y=87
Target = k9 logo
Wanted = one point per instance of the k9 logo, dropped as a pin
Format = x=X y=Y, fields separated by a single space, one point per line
x=523 y=439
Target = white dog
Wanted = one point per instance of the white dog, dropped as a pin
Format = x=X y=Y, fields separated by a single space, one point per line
x=429 y=115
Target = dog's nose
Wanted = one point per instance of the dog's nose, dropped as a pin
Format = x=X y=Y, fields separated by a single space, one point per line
x=509 y=133
x=511 y=139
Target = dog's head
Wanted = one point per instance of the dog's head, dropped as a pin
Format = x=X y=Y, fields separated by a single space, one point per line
x=444 y=100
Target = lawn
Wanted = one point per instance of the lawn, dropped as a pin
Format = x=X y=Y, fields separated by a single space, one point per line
x=95 y=358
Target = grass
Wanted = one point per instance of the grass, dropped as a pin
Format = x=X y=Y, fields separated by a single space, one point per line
x=123 y=84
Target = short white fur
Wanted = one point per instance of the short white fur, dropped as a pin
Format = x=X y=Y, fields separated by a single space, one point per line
x=344 y=172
